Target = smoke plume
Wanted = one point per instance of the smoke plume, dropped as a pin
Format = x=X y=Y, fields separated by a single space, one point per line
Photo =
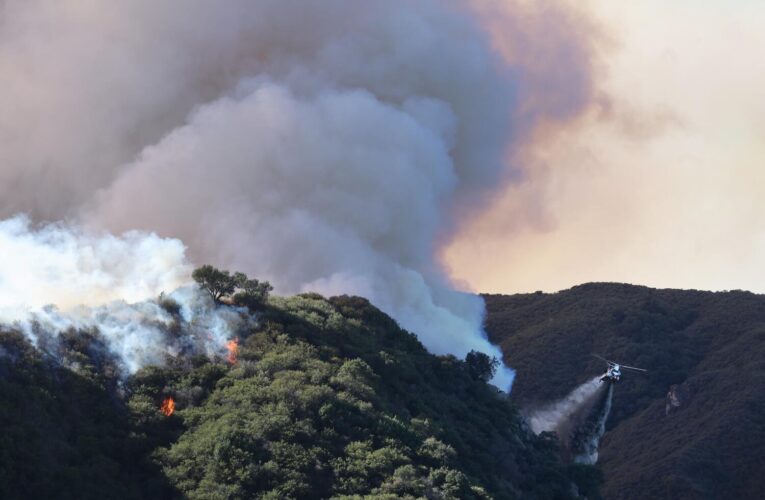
x=328 y=146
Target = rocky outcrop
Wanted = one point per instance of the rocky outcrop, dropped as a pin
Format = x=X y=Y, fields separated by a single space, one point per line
x=677 y=397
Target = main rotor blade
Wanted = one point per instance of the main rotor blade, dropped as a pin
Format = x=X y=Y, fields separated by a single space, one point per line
x=633 y=368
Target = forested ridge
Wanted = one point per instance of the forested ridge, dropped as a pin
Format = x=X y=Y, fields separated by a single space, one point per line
x=693 y=426
x=321 y=398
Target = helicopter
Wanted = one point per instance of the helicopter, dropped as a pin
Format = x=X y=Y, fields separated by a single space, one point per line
x=614 y=370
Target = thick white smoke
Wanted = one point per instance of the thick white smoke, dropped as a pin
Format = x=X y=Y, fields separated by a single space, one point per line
x=54 y=278
x=324 y=146
x=67 y=266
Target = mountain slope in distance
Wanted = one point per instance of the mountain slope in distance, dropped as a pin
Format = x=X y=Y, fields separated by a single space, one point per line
x=693 y=426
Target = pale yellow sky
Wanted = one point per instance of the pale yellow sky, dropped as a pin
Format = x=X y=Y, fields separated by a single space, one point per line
x=665 y=187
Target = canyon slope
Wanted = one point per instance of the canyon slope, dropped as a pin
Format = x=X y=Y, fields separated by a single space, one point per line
x=693 y=426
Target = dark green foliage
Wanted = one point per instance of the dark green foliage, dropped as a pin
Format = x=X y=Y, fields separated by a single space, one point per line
x=168 y=304
x=216 y=282
x=253 y=293
x=331 y=398
x=481 y=366
x=242 y=290
x=713 y=344
x=64 y=432
x=328 y=398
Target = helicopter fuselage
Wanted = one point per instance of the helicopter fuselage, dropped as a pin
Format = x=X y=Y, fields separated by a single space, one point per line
x=614 y=371
x=613 y=374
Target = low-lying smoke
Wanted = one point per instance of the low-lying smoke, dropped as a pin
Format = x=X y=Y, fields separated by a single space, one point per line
x=328 y=146
x=144 y=333
x=56 y=278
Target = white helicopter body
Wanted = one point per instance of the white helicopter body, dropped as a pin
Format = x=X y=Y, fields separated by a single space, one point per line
x=614 y=372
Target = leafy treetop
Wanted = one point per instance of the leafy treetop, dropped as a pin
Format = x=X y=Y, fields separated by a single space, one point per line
x=481 y=366
x=221 y=283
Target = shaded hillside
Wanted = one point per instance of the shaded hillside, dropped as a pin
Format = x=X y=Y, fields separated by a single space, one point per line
x=705 y=441
x=323 y=398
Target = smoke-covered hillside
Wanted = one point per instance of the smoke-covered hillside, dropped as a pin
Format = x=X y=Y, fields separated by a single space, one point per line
x=329 y=146
x=693 y=426
x=315 y=398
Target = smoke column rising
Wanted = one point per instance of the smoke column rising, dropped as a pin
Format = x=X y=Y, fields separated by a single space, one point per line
x=328 y=146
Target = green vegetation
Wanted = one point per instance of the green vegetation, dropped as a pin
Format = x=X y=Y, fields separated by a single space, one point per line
x=237 y=287
x=711 y=344
x=65 y=431
x=328 y=398
x=480 y=366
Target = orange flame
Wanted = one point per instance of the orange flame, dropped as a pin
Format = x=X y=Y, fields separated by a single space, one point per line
x=233 y=347
x=168 y=406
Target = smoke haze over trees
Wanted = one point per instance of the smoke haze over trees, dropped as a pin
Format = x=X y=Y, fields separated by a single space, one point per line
x=330 y=146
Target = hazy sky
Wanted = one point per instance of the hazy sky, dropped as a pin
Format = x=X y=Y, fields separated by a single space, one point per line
x=661 y=182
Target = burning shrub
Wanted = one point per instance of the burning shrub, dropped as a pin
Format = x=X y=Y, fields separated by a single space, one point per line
x=232 y=346
x=168 y=406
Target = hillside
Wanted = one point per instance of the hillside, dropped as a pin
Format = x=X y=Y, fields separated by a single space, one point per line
x=322 y=398
x=704 y=440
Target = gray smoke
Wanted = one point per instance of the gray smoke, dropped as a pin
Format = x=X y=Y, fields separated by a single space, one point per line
x=326 y=146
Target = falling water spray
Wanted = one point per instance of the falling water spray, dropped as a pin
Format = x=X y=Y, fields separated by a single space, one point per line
x=579 y=420
x=586 y=437
x=552 y=416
